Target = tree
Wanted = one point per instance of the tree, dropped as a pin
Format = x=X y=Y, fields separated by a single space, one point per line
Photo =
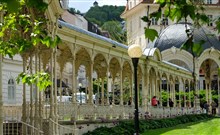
x=114 y=28
x=26 y=24
x=74 y=11
x=104 y=14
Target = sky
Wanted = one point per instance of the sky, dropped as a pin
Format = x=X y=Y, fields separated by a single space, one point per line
x=84 y=5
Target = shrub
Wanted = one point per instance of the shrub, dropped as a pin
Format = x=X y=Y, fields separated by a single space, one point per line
x=127 y=127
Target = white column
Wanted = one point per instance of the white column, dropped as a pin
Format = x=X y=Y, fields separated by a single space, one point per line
x=143 y=90
x=210 y=92
x=40 y=97
x=155 y=87
x=160 y=99
x=36 y=113
x=147 y=89
x=55 y=90
x=31 y=95
x=206 y=91
x=121 y=87
x=113 y=90
x=179 y=94
x=103 y=97
x=184 y=90
x=98 y=92
x=168 y=92
x=73 y=80
x=24 y=113
x=107 y=82
x=1 y=99
x=189 y=95
x=91 y=84
x=174 y=93
x=51 y=88
x=218 y=98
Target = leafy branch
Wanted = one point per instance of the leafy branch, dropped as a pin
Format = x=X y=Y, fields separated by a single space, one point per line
x=41 y=79
x=23 y=31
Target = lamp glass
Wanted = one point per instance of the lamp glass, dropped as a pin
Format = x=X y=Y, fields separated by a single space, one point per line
x=80 y=84
x=135 y=51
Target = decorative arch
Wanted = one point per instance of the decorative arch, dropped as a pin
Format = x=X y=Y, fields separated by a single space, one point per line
x=209 y=54
x=100 y=65
x=181 y=55
x=83 y=58
x=154 y=53
x=114 y=65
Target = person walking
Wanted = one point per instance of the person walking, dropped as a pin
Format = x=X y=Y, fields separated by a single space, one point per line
x=154 y=101
x=214 y=105
x=206 y=107
x=170 y=102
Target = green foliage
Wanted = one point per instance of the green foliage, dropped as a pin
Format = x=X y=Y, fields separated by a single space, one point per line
x=24 y=31
x=218 y=24
x=41 y=79
x=108 y=18
x=100 y=15
x=114 y=28
x=206 y=127
x=127 y=127
x=13 y=6
x=74 y=11
x=150 y=34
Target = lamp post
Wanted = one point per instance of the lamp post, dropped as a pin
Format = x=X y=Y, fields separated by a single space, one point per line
x=135 y=52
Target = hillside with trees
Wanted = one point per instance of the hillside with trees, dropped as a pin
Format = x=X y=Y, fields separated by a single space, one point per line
x=100 y=15
x=107 y=17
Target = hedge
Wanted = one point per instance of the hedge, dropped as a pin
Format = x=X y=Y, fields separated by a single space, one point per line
x=127 y=127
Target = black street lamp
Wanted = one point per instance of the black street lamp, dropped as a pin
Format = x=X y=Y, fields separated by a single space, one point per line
x=135 y=52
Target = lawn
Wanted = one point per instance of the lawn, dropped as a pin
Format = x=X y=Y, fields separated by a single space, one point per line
x=208 y=127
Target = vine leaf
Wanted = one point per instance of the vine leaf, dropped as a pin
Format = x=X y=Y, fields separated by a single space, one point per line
x=151 y=34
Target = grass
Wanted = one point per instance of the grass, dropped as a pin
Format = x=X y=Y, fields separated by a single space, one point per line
x=208 y=127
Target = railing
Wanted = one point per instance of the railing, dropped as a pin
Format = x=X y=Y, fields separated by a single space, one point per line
x=62 y=130
x=12 y=112
x=69 y=111
x=16 y=127
x=95 y=112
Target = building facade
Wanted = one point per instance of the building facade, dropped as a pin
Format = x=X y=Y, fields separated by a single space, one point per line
x=172 y=36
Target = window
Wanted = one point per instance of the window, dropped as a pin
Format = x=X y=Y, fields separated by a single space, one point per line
x=209 y=1
x=34 y=92
x=130 y=5
x=131 y=26
x=154 y=21
x=139 y=22
x=210 y=20
x=139 y=41
x=11 y=90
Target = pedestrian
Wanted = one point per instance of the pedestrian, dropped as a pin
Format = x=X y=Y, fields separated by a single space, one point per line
x=206 y=107
x=154 y=101
x=170 y=102
x=214 y=105
x=129 y=101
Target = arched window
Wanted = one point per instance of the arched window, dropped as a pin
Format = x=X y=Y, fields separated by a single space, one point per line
x=11 y=90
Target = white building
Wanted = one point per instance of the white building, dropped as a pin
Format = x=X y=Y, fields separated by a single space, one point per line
x=172 y=37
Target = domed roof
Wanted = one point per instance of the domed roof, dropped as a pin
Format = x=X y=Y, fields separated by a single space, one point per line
x=175 y=35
